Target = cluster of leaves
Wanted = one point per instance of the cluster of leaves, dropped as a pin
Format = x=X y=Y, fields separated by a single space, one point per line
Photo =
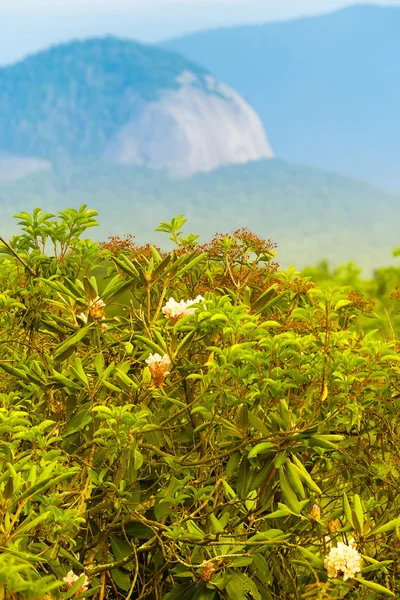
x=274 y=433
x=373 y=295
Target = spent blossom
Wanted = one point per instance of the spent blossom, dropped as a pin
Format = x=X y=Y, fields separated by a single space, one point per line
x=71 y=578
x=334 y=525
x=158 y=366
x=96 y=308
x=174 y=310
x=343 y=561
x=95 y=311
x=208 y=569
x=315 y=513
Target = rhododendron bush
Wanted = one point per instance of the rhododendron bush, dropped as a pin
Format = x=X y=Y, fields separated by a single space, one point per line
x=194 y=424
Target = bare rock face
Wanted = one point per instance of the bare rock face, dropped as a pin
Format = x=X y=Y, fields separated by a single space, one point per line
x=106 y=98
x=194 y=128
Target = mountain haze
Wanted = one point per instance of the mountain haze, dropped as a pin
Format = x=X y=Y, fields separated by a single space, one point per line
x=126 y=102
x=327 y=88
x=310 y=213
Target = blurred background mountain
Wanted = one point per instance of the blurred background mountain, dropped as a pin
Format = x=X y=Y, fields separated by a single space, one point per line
x=274 y=126
x=327 y=88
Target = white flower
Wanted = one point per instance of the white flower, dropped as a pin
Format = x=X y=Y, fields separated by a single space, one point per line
x=97 y=303
x=174 y=310
x=190 y=311
x=83 y=316
x=158 y=366
x=71 y=578
x=157 y=360
x=343 y=561
x=96 y=308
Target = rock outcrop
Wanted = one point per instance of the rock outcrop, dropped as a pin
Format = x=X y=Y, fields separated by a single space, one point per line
x=191 y=129
x=129 y=103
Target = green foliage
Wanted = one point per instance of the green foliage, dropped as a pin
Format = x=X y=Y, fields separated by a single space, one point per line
x=377 y=296
x=188 y=424
x=309 y=213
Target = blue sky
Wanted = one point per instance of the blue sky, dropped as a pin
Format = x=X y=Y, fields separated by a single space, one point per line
x=29 y=25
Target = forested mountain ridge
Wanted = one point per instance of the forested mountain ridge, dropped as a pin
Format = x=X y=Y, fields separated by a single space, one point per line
x=126 y=102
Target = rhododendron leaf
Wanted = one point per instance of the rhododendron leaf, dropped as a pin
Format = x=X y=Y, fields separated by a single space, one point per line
x=314 y=560
x=347 y=510
x=386 y=528
x=259 y=304
x=376 y=587
x=71 y=343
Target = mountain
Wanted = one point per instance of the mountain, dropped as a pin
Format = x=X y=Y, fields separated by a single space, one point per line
x=327 y=88
x=310 y=213
x=125 y=102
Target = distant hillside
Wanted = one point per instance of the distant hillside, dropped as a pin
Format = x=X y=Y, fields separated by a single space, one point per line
x=311 y=214
x=327 y=88
x=126 y=102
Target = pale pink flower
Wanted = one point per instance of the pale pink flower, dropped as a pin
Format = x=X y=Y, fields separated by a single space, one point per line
x=71 y=578
x=174 y=310
x=158 y=366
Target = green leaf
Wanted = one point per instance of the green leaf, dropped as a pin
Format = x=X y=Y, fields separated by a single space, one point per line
x=122 y=579
x=75 y=587
x=120 y=549
x=314 y=560
x=193 y=263
x=150 y=344
x=244 y=479
x=44 y=485
x=185 y=344
x=180 y=592
x=342 y=303
x=280 y=459
x=289 y=497
x=295 y=480
x=72 y=341
x=259 y=304
x=11 y=370
x=125 y=265
x=204 y=593
x=262 y=448
x=386 y=528
x=379 y=589
x=27 y=526
x=240 y=587
x=65 y=381
x=347 y=510
x=305 y=476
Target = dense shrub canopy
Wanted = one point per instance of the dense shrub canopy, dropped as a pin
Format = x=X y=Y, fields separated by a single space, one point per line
x=189 y=424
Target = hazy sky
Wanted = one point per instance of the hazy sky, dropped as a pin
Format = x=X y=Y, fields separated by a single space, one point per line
x=29 y=25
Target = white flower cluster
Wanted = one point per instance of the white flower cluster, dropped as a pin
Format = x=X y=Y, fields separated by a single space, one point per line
x=155 y=360
x=96 y=311
x=343 y=561
x=174 y=310
x=97 y=303
x=158 y=366
x=71 y=578
x=96 y=308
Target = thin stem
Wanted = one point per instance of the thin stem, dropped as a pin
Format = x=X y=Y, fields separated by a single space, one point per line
x=17 y=256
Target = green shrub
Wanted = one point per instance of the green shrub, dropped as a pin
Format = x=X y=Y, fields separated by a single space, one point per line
x=216 y=449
